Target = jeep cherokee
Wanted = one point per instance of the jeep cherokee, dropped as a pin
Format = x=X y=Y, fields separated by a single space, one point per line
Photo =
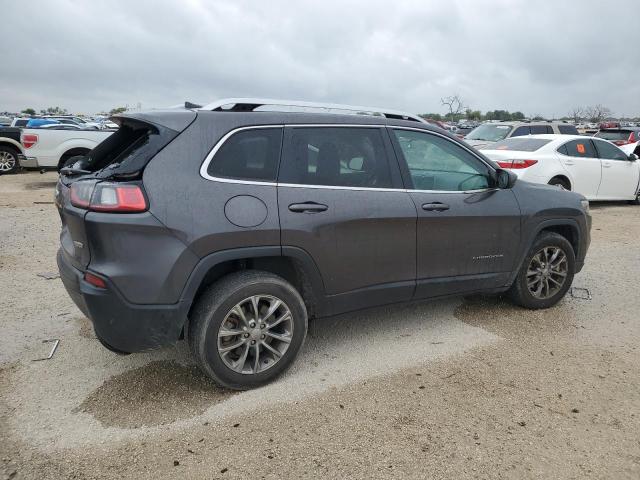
x=229 y=227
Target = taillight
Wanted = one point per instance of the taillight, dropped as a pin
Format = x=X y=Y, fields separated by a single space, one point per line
x=516 y=163
x=108 y=197
x=29 y=140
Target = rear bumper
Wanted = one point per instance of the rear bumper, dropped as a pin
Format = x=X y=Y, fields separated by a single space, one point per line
x=28 y=162
x=122 y=325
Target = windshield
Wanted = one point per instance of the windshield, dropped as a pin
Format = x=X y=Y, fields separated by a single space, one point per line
x=518 y=144
x=488 y=132
x=612 y=134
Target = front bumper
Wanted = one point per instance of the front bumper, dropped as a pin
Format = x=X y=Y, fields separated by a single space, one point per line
x=28 y=162
x=123 y=326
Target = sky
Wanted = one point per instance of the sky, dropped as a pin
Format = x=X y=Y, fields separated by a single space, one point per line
x=536 y=56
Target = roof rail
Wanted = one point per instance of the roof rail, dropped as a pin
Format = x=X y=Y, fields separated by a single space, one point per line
x=251 y=104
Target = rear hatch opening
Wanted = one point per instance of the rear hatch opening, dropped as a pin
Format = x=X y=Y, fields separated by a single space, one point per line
x=118 y=160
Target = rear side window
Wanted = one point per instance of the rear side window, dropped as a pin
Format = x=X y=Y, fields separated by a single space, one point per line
x=609 y=151
x=248 y=155
x=568 y=130
x=336 y=156
x=526 y=144
x=578 y=148
x=21 y=123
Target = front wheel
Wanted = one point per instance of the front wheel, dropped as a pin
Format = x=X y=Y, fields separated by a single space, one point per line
x=546 y=273
x=247 y=329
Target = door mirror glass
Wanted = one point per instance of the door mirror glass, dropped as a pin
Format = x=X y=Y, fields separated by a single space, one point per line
x=505 y=179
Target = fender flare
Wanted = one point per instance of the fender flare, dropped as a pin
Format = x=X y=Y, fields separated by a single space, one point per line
x=528 y=242
x=12 y=142
x=309 y=267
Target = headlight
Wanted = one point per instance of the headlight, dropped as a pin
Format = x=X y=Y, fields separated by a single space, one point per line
x=585 y=205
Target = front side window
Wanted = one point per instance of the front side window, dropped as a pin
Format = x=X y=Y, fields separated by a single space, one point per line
x=520 y=131
x=539 y=129
x=436 y=163
x=336 y=156
x=608 y=151
x=578 y=148
x=248 y=155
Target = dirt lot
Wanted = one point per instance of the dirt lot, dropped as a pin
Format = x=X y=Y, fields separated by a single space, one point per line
x=466 y=388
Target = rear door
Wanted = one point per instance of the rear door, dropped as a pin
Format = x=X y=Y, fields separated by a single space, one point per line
x=619 y=174
x=581 y=161
x=468 y=233
x=341 y=200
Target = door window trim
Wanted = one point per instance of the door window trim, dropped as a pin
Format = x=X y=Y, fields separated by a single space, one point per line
x=205 y=164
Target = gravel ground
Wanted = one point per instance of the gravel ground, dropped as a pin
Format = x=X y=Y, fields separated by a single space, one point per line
x=464 y=388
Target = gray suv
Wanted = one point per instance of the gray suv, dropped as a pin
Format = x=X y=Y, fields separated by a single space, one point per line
x=230 y=227
x=491 y=132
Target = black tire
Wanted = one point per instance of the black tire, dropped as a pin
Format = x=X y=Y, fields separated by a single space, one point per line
x=519 y=291
x=636 y=201
x=213 y=306
x=560 y=182
x=10 y=155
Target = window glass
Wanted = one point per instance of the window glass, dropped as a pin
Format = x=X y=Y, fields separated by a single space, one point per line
x=568 y=130
x=563 y=150
x=609 y=151
x=580 y=148
x=436 y=163
x=538 y=129
x=526 y=144
x=520 y=131
x=489 y=132
x=336 y=156
x=248 y=155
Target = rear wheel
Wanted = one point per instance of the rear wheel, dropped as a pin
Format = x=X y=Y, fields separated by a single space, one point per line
x=546 y=273
x=561 y=182
x=8 y=160
x=247 y=329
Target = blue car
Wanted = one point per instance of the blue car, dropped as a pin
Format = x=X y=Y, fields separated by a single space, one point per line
x=38 y=122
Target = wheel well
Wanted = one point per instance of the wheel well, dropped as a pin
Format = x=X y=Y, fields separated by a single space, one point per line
x=563 y=179
x=568 y=232
x=11 y=146
x=71 y=153
x=289 y=268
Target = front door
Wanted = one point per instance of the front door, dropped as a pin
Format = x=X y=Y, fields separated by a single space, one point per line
x=580 y=159
x=619 y=174
x=467 y=233
x=342 y=202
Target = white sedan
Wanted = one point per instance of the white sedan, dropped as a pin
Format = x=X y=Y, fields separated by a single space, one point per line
x=597 y=169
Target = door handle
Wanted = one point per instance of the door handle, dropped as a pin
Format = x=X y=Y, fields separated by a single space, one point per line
x=307 y=207
x=569 y=162
x=606 y=164
x=435 y=207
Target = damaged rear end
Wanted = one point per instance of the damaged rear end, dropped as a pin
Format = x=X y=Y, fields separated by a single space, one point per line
x=121 y=266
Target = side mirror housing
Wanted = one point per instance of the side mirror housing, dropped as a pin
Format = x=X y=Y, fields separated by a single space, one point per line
x=505 y=179
x=633 y=157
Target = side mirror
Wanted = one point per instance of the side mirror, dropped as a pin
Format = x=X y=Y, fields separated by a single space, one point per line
x=505 y=179
x=633 y=157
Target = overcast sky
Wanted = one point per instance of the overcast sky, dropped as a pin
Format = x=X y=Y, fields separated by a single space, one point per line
x=540 y=57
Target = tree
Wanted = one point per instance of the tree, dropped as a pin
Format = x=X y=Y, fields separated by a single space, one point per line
x=455 y=105
x=54 y=111
x=597 y=113
x=115 y=111
x=576 y=114
x=28 y=111
x=431 y=116
x=517 y=116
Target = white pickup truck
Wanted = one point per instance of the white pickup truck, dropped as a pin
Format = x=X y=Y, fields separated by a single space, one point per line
x=52 y=147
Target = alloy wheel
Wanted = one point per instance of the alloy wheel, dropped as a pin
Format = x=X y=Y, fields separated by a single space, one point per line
x=7 y=161
x=255 y=334
x=547 y=272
